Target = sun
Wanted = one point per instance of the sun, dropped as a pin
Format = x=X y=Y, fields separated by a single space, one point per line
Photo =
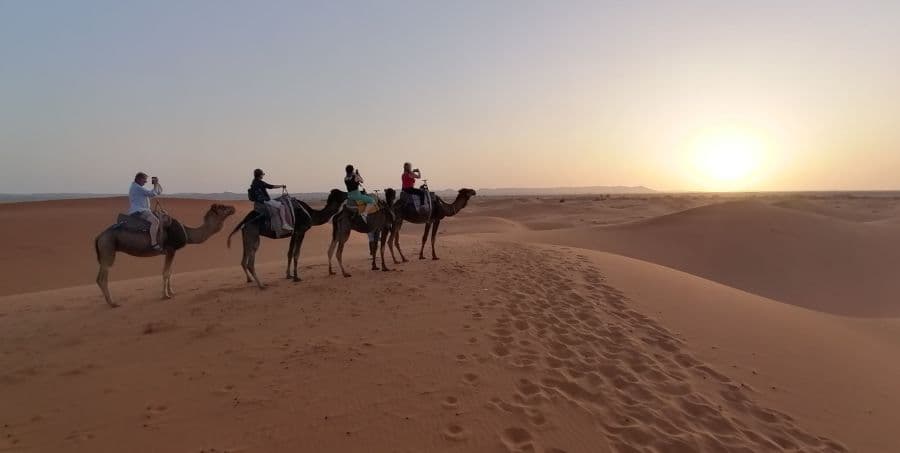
x=727 y=159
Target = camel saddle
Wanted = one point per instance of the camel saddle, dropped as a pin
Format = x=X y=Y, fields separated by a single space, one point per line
x=265 y=229
x=172 y=234
x=413 y=205
x=356 y=207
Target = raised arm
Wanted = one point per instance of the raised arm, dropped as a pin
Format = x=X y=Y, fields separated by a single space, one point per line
x=150 y=193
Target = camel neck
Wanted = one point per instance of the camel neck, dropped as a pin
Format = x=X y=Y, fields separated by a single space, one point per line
x=458 y=204
x=202 y=233
x=322 y=216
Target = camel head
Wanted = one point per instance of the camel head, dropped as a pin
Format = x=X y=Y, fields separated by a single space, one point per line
x=336 y=197
x=466 y=193
x=218 y=213
x=390 y=195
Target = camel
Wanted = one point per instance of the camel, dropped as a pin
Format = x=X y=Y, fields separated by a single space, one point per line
x=432 y=221
x=137 y=243
x=305 y=218
x=377 y=226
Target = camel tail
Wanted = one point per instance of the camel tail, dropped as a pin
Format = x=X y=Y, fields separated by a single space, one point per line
x=97 y=247
x=235 y=230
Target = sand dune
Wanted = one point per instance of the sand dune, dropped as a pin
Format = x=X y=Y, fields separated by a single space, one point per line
x=524 y=337
x=874 y=209
x=473 y=353
x=788 y=357
x=804 y=259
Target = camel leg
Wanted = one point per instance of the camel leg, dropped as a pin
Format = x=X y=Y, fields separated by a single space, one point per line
x=424 y=239
x=297 y=246
x=246 y=256
x=340 y=257
x=290 y=256
x=394 y=240
x=384 y=239
x=397 y=244
x=251 y=264
x=434 y=230
x=103 y=283
x=373 y=247
x=331 y=248
x=390 y=243
x=167 y=275
x=106 y=256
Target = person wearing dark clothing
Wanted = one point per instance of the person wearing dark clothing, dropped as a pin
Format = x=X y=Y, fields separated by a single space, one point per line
x=353 y=180
x=263 y=204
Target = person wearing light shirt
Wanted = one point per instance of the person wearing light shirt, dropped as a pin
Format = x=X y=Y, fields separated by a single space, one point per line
x=139 y=198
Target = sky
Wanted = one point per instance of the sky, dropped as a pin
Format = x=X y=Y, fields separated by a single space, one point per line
x=474 y=93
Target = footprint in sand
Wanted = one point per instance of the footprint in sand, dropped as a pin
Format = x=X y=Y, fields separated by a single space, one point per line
x=517 y=440
x=470 y=378
x=454 y=433
x=153 y=411
x=450 y=402
x=500 y=351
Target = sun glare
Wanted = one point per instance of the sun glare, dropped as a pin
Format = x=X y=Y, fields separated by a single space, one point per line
x=727 y=160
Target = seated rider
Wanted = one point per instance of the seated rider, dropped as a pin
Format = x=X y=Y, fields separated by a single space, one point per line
x=139 y=199
x=264 y=205
x=352 y=180
x=409 y=181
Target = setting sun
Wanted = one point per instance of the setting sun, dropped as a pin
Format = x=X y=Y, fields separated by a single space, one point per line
x=727 y=160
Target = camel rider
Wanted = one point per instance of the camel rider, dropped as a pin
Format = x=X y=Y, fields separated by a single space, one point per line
x=352 y=180
x=408 y=180
x=139 y=199
x=263 y=204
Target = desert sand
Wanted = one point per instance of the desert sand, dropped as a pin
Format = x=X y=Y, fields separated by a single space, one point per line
x=661 y=323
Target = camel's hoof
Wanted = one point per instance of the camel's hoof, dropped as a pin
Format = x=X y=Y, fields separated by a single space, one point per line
x=347 y=275
x=263 y=287
x=384 y=269
x=249 y=280
x=434 y=258
x=405 y=260
x=113 y=305
x=421 y=257
x=166 y=297
x=297 y=279
x=288 y=277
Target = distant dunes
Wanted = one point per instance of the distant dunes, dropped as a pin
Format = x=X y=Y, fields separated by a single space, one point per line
x=794 y=256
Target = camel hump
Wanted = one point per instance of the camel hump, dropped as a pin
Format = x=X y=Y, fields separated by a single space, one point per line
x=132 y=222
x=172 y=234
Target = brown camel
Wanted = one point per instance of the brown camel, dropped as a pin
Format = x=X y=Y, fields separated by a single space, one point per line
x=377 y=226
x=305 y=218
x=137 y=243
x=432 y=221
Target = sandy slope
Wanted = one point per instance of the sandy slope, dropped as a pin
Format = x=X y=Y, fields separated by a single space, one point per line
x=504 y=345
x=501 y=347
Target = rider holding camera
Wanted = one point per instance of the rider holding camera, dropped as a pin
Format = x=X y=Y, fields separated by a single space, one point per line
x=139 y=199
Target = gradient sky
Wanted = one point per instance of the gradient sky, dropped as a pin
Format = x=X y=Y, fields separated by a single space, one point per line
x=475 y=93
